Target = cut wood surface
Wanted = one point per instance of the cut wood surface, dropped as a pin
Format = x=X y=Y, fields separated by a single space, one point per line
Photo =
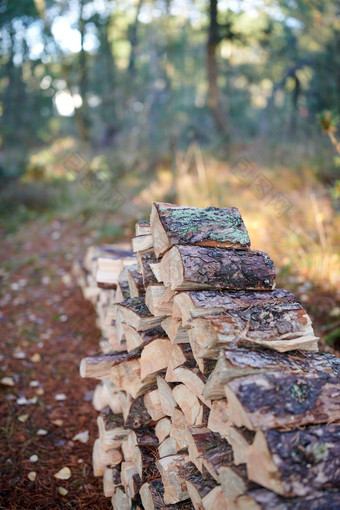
x=168 y=447
x=142 y=242
x=198 y=484
x=153 y=406
x=192 y=378
x=111 y=480
x=179 y=428
x=101 y=459
x=135 y=413
x=142 y=227
x=162 y=429
x=212 y=226
x=155 y=357
x=99 y=367
x=262 y=499
x=170 y=468
x=219 y=419
x=127 y=375
x=135 y=281
x=120 y=500
x=175 y=331
x=134 y=312
x=239 y=362
x=159 y=299
x=111 y=430
x=189 y=404
x=198 y=267
x=136 y=339
x=167 y=400
x=208 y=335
x=296 y=463
x=144 y=261
x=273 y=400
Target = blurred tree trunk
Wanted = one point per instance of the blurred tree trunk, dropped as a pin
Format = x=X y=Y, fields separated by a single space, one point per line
x=82 y=116
x=295 y=104
x=134 y=41
x=214 y=98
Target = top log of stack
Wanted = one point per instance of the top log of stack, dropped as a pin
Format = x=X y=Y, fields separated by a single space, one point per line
x=217 y=397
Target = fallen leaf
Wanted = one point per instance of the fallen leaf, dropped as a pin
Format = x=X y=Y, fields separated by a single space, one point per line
x=83 y=437
x=7 y=381
x=35 y=358
x=34 y=458
x=62 y=491
x=39 y=391
x=22 y=401
x=60 y=396
x=23 y=417
x=42 y=432
x=34 y=384
x=63 y=474
x=58 y=423
x=32 y=476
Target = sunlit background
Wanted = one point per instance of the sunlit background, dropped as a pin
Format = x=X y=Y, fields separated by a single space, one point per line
x=106 y=105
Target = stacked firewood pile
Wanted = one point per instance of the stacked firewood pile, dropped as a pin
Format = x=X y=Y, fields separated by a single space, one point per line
x=212 y=392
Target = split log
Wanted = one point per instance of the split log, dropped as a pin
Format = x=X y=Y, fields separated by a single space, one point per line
x=189 y=404
x=101 y=460
x=162 y=429
x=273 y=400
x=122 y=291
x=215 y=499
x=168 y=447
x=143 y=457
x=218 y=227
x=155 y=357
x=175 y=331
x=239 y=362
x=120 y=500
x=127 y=375
x=296 y=463
x=167 y=401
x=179 y=428
x=192 y=378
x=111 y=480
x=180 y=354
x=99 y=367
x=240 y=440
x=219 y=418
x=151 y=494
x=174 y=486
x=140 y=437
x=199 y=485
x=135 y=281
x=262 y=499
x=111 y=430
x=142 y=227
x=135 y=413
x=134 y=312
x=142 y=242
x=209 y=334
x=197 y=267
x=130 y=479
x=153 y=406
x=154 y=266
x=159 y=299
x=100 y=397
x=144 y=261
x=109 y=269
x=136 y=339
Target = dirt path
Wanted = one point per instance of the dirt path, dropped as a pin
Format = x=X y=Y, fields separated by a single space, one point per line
x=45 y=328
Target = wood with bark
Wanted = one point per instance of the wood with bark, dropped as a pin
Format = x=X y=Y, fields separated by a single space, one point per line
x=111 y=480
x=143 y=457
x=167 y=401
x=273 y=400
x=263 y=499
x=189 y=404
x=151 y=494
x=111 y=430
x=155 y=357
x=199 y=485
x=134 y=312
x=218 y=227
x=163 y=429
x=153 y=406
x=101 y=459
x=208 y=335
x=198 y=267
x=296 y=463
x=144 y=260
x=192 y=378
x=135 y=413
x=136 y=339
x=170 y=469
x=127 y=474
x=127 y=375
x=159 y=299
x=99 y=367
x=142 y=227
x=122 y=291
x=175 y=331
x=135 y=281
x=240 y=440
x=142 y=242
x=234 y=482
x=239 y=362
x=139 y=437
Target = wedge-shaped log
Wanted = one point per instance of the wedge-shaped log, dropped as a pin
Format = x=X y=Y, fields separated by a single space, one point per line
x=146 y=259
x=198 y=267
x=120 y=500
x=152 y=403
x=142 y=227
x=135 y=281
x=127 y=375
x=199 y=485
x=152 y=493
x=167 y=400
x=99 y=367
x=262 y=499
x=155 y=357
x=163 y=429
x=208 y=335
x=239 y=362
x=170 y=469
x=134 y=312
x=172 y=225
x=134 y=412
x=101 y=459
x=136 y=339
x=296 y=463
x=111 y=480
x=189 y=404
x=175 y=331
x=142 y=242
x=159 y=299
x=192 y=378
x=272 y=400
x=111 y=430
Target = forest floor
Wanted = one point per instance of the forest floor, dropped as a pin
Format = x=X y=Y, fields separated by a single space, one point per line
x=46 y=327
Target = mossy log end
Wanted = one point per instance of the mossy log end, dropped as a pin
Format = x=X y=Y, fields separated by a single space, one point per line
x=212 y=226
